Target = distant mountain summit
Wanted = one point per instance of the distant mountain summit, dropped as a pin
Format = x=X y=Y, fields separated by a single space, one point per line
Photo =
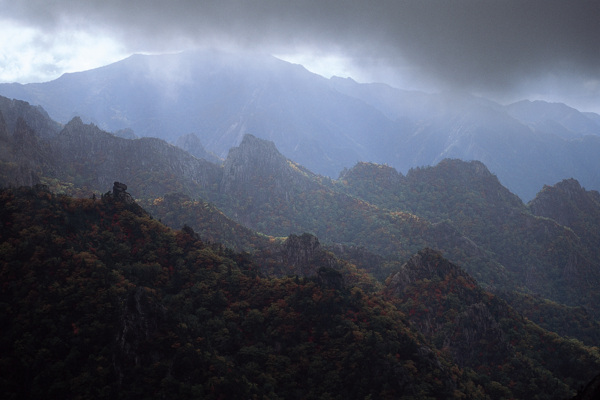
x=193 y=145
x=324 y=124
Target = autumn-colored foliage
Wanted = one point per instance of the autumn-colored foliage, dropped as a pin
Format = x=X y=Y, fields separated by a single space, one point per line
x=99 y=300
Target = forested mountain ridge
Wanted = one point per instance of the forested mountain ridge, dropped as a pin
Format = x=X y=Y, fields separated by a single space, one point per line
x=373 y=214
x=482 y=332
x=324 y=124
x=456 y=207
x=151 y=165
x=570 y=205
x=472 y=200
x=101 y=301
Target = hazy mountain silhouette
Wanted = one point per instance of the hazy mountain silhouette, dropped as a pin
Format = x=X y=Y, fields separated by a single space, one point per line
x=324 y=124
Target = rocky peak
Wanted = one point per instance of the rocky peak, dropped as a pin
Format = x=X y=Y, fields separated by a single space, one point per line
x=300 y=249
x=74 y=124
x=83 y=136
x=35 y=117
x=564 y=201
x=463 y=169
x=120 y=193
x=303 y=255
x=257 y=168
x=258 y=152
x=447 y=305
x=426 y=264
x=570 y=187
x=377 y=173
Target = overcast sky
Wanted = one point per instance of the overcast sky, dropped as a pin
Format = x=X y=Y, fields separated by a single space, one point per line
x=503 y=49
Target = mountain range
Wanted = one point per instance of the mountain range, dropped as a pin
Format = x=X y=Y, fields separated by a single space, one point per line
x=133 y=267
x=323 y=124
x=547 y=247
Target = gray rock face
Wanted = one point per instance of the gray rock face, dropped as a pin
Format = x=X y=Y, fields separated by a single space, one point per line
x=426 y=264
x=563 y=201
x=120 y=193
x=35 y=117
x=299 y=253
x=256 y=163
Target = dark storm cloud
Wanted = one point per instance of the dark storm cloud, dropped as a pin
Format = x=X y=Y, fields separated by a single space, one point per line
x=478 y=45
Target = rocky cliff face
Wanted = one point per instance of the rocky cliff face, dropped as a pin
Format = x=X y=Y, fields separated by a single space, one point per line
x=565 y=202
x=35 y=117
x=257 y=169
x=578 y=209
x=452 y=309
x=152 y=166
x=299 y=253
x=23 y=156
x=479 y=330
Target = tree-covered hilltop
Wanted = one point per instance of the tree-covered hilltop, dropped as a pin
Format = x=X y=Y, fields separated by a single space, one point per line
x=457 y=207
x=99 y=300
x=541 y=253
x=481 y=331
x=267 y=218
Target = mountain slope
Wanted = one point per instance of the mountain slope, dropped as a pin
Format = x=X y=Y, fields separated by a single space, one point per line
x=219 y=97
x=482 y=332
x=100 y=301
x=524 y=144
x=543 y=255
x=375 y=216
x=325 y=125
x=94 y=159
x=555 y=118
x=270 y=194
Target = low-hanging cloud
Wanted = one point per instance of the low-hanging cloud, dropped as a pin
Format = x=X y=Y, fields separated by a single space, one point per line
x=476 y=45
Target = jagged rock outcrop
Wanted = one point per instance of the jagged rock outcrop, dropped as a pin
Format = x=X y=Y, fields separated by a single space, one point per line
x=303 y=255
x=151 y=165
x=564 y=201
x=120 y=193
x=256 y=168
x=300 y=250
x=35 y=116
x=426 y=264
x=460 y=316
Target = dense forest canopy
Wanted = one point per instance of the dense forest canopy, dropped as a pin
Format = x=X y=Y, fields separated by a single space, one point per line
x=256 y=278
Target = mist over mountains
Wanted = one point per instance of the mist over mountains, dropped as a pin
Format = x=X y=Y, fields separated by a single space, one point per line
x=245 y=276
x=323 y=124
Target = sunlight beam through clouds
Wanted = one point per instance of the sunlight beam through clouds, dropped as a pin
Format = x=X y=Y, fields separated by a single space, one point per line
x=493 y=48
